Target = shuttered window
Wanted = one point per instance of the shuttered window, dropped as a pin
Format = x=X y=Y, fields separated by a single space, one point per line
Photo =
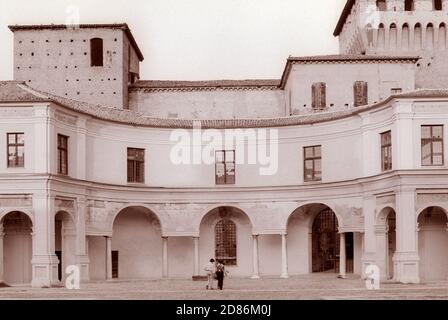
x=319 y=96
x=361 y=95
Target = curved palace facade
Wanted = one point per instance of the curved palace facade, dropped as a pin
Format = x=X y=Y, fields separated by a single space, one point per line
x=338 y=165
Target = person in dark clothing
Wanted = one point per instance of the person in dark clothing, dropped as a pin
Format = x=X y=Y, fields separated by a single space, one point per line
x=220 y=274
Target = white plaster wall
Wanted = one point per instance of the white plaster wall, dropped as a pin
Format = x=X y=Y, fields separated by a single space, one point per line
x=137 y=238
x=180 y=257
x=270 y=255
x=17 y=253
x=432 y=243
x=299 y=244
x=97 y=256
x=381 y=77
x=214 y=104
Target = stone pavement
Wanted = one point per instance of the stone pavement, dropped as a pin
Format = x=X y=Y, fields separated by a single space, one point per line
x=315 y=286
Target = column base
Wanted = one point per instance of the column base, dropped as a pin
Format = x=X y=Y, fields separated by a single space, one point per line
x=45 y=271
x=342 y=276
x=284 y=276
x=406 y=267
x=83 y=261
x=255 y=277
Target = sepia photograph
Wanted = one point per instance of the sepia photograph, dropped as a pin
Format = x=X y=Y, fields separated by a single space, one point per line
x=239 y=152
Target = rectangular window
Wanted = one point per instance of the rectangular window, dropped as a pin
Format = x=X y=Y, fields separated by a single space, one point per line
x=432 y=145
x=319 y=95
x=16 y=150
x=136 y=165
x=396 y=90
x=62 y=154
x=225 y=167
x=312 y=163
x=361 y=95
x=386 y=151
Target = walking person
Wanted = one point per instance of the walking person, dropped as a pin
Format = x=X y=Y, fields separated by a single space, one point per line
x=220 y=274
x=210 y=268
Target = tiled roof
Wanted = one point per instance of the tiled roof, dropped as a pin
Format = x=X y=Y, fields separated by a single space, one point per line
x=121 y=26
x=343 y=58
x=345 y=13
x=19 y=92
x=212 y=84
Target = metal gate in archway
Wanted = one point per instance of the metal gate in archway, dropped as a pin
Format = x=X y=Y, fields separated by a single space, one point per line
x=325 y=243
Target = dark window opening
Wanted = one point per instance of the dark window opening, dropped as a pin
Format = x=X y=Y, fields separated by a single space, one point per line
x=312 y=163
x=136 y=165
x=319 y=96
x=386 y=151
x=381 y=5
x=409 y=5
x=16 y=150
x=225 y=167
x=432 y=145
x=437 y=5
x=62 y=154
x=96 y=52
x=360 y=91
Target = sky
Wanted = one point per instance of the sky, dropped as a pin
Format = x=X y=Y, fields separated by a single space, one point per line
x=195 y=39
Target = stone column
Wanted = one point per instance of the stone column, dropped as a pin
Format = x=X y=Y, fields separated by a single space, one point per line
x=406 y=258
x=108 y=258
x=342 y=257
x=2 y=233
x=255 y=271
x=44 y=262
x=165 y=257
x=381 y=234
x=82 y=256
x=196 y=256
x=369 y=239
x=284 y=258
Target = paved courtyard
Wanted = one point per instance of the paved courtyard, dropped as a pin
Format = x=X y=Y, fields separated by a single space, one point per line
x=319 y=286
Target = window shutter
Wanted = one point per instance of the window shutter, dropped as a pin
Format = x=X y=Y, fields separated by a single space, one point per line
x=319 y=96
x=360 y=93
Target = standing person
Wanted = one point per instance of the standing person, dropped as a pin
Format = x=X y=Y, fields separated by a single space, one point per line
x=210 y=268
x=220 y=274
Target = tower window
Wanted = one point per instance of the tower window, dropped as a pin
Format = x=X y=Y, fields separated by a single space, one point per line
x=96 y=52
x=437 y=5
x=409 y=5
x=381 y=5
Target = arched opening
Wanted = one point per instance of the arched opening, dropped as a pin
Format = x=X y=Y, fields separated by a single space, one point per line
x=409 y=5
x=418 y=36
x=65 y=242
x=432 y=244
x=393 y=36
x=405 y=36
x=17 y=248
x=381 y=37
x=133 y=252
x=437 y=5
x=226 y=235
x=96 y=52
x=313 y=241
x=442 y=36
x=430 y=37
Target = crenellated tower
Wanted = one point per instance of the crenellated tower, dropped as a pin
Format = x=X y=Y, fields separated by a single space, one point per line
x=399 y=27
